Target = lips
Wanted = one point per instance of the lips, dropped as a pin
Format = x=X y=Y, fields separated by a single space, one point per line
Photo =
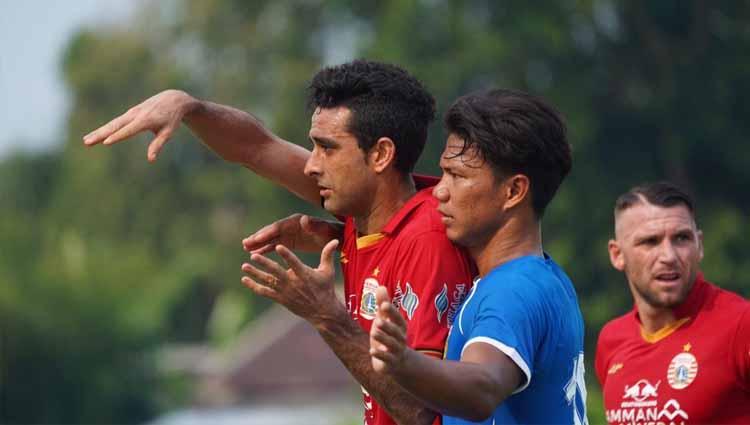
x=324 y=191
x=667 y=276
x=445 y=217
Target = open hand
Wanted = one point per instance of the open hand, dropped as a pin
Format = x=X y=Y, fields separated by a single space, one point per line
x=305 y=291
x=160 y=114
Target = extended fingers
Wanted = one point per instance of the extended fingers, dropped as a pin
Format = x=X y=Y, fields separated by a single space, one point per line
x=264 y=278
x=387 y=311
x=155 y=146
x=103 y=132
x=388 y=334
x=384 y=355
x=300 y=268
x=263 y=249
x=132 y=127
x=258 y=289
x=269 y=265
x=326 y=257
x=268 y=235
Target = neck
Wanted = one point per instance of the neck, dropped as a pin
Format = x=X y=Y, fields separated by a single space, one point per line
x=516 y=238
x=654 y=318
x=389 y=196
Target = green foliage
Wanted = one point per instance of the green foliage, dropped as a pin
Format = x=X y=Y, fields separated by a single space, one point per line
x=104 y=256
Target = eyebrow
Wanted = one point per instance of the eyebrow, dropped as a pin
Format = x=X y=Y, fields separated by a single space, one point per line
x=323 y=141
x=658 y=234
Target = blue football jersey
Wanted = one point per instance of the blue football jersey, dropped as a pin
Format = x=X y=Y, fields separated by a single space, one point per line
x=527 y=308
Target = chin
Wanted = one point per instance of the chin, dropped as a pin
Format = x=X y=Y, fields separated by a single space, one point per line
x=457 y=238
x=331 y=207
x=673 y=300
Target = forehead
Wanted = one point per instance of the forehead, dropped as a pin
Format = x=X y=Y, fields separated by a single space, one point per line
x=328 y=122
x=453 y=156
x=644 y=218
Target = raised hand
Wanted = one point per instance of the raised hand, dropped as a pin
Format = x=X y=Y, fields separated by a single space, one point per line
x=305 y=291
x=160 y=114
x=298 y=232
x=387 y=335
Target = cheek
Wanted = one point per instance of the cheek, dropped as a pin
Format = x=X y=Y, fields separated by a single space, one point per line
x=637 y=261
x=690 y=255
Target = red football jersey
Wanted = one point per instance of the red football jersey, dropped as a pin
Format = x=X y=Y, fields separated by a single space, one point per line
x=426 y=275
x=695 y=371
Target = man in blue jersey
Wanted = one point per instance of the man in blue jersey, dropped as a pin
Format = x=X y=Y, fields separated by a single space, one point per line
x=515 y=349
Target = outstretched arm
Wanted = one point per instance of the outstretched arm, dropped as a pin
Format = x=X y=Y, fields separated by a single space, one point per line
x=309 y=293
x=234 y=135
x=470 y=389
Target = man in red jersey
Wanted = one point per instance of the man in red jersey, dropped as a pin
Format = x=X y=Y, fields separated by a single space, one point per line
x=682 y=355
x=368 y=129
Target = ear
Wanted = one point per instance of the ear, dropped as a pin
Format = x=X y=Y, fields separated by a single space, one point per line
x=615 y=255
x=700 y=244
x=516 y=190
x=382 y=154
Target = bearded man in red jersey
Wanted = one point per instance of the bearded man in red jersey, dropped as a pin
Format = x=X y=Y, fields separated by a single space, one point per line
x=682 y=355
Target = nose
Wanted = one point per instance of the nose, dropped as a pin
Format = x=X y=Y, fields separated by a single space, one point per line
x=667 y=252
x=441 y=192
x=312 y=166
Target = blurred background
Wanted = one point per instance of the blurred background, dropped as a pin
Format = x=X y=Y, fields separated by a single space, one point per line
x=120 y=299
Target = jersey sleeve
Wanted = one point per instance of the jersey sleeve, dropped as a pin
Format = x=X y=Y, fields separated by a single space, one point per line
x=432 y=274
x=741 y=350
x=601 y=357
x=511 y=320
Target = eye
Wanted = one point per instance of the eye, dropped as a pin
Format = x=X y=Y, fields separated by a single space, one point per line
x=322 y=148
x=650 y=241
x=684 y=237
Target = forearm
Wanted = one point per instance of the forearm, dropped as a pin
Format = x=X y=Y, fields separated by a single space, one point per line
x=241 y=138
x=453 y=388
x=351 y=345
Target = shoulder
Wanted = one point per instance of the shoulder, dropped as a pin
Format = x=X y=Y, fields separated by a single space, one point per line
x=723 y=306
x=425 y=216
x=726 y=302
x=423 y=225
x=528 y=277
x=615 y=332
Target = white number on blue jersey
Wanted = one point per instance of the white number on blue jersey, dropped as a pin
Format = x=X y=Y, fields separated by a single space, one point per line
x=575 y=392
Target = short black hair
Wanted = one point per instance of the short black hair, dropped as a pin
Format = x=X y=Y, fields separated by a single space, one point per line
x=662 y=194
x=385 y=101
x=515 y=132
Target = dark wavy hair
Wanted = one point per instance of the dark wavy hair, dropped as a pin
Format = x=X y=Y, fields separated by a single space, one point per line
x=385 y=101
x=515 y=132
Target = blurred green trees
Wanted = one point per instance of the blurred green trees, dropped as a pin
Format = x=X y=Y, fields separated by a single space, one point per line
x=103 y=256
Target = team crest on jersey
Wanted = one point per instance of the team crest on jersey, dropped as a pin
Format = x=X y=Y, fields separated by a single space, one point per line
x=441 y=302
x=369 y=306
x=682 y=370
x=409 y=301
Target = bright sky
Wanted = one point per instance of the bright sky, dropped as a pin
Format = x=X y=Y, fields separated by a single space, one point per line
x=33 y=34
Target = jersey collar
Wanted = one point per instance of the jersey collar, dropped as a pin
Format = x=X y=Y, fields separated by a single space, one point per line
x=695 y=299
x=400 y=217
x=683 y=313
